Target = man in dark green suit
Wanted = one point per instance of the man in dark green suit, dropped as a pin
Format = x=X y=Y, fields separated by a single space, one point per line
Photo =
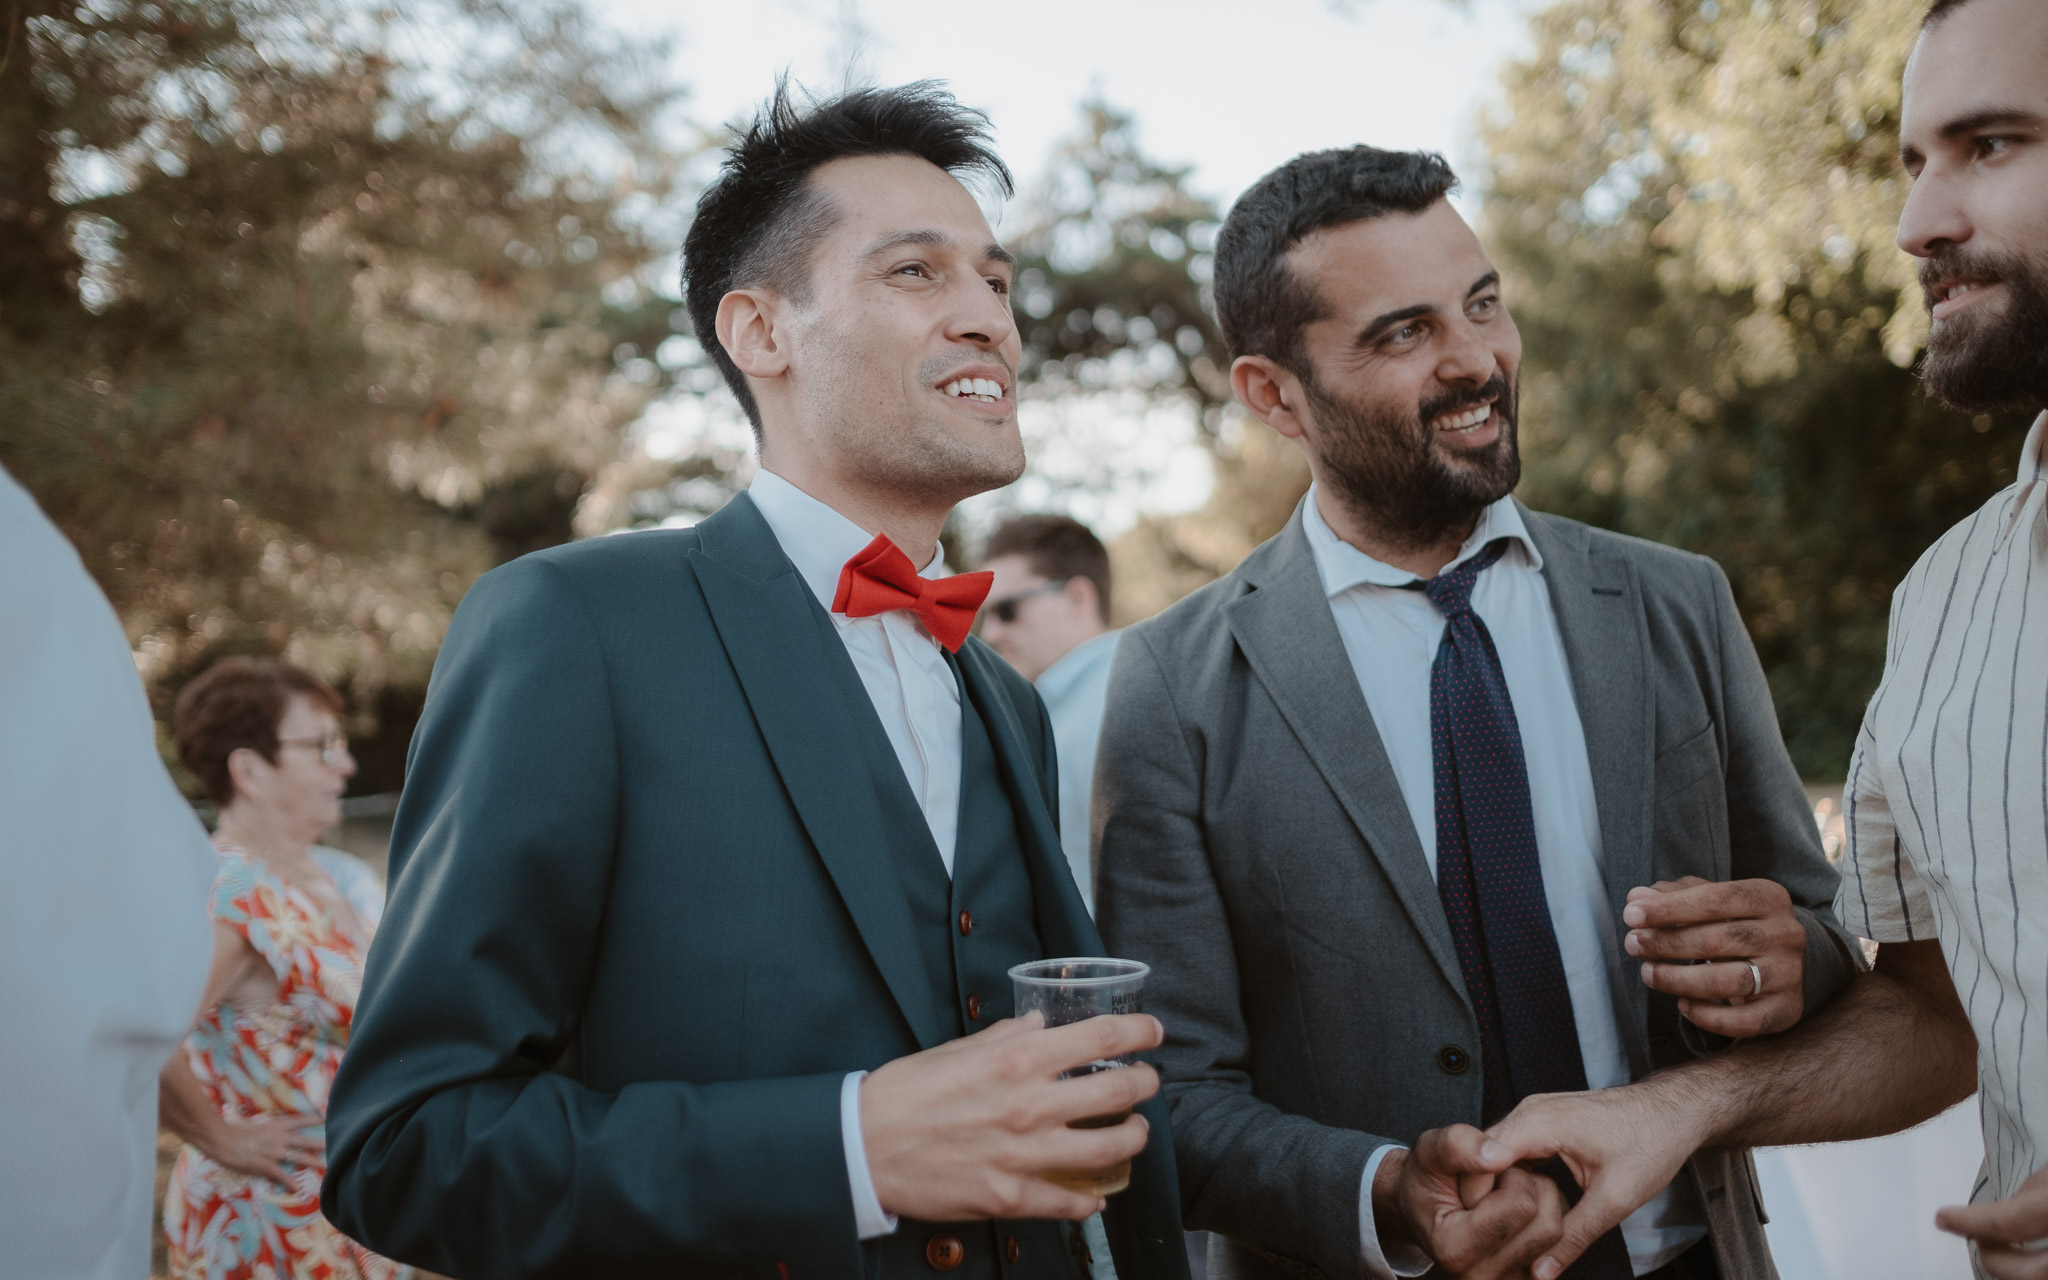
x=717 y=844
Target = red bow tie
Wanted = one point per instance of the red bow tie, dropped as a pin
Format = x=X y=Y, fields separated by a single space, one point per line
x=881 y=579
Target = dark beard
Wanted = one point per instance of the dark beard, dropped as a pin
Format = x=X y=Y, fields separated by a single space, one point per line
x=1977 y=362
x=1383 y=468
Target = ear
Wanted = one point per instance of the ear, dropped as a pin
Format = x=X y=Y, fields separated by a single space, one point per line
x=1273 y=394
x=245 y=768
x=750 y=331
x=1082 y=592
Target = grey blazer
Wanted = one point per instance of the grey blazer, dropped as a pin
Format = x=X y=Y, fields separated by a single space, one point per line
x=1253 y=847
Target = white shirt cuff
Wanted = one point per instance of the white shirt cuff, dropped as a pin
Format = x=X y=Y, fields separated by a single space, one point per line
x=1405 y=1260
x=868 y=1217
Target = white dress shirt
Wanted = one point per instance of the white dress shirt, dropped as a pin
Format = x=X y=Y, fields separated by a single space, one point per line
x=1075 y=689
x=104 y=937
x=1391 y=634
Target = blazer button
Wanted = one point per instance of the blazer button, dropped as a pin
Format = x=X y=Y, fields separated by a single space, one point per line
x=1010 y=1249
x=1453 y=1059
x=974 y=1008
x=966 y=924
x=945 y=1252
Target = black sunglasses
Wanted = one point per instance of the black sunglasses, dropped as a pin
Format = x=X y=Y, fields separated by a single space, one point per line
x=1005 y=609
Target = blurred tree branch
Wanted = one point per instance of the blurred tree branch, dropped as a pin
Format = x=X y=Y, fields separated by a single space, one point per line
x=309 y=313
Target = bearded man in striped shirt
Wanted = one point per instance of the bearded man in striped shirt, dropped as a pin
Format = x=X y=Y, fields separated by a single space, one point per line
x=1947 y=801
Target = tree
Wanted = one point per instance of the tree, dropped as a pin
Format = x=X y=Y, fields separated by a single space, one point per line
x=1696 y=204
x=1114 y=303
x=309 y=313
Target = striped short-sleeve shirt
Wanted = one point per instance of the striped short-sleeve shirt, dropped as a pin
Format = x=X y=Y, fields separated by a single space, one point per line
x=1947 y=803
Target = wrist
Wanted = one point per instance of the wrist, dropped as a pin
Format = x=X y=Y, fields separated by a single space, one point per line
x=1390 y=1221
x=1699 y=1100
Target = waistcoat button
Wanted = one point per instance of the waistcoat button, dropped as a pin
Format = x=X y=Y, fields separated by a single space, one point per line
x=974 y=1008
x=966 y=924
x=945 y=1252
x=1453 y=1059
x=1010 y=1249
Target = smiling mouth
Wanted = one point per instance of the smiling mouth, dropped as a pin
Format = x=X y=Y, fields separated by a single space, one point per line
x=1463 y=421
x=1957 y=288
x=986 y=390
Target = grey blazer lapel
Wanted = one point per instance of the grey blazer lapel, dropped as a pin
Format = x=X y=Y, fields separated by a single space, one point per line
x=1600 y=617
x=1287 y=633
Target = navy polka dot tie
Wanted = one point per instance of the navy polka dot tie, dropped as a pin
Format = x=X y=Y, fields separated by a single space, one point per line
x=1491 y=881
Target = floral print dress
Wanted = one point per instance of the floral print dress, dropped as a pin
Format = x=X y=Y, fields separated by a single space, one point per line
x=272 y=1059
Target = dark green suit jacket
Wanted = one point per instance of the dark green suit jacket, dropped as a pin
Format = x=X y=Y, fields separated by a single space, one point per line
x=643 y=921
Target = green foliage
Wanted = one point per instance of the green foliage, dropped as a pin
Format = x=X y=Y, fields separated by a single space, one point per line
x=1696 y=206
x=313 y=312
x=1113 y=271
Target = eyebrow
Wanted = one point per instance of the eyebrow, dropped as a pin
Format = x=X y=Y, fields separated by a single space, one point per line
x=1387 y=320
x=1977 y=121
x=932 y=238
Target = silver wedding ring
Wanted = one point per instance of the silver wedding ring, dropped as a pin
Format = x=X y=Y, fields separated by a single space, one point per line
x=1756 y=981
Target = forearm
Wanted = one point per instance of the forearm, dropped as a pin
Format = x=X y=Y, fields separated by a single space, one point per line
x=1894 y=1049
x=1285 y=1182
x=182 y=1104
x=660 y=1173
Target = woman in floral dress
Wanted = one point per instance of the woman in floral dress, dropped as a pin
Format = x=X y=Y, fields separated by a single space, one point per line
x=291 y=925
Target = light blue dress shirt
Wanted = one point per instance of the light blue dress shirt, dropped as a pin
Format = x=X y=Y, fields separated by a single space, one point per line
x=1075 y=689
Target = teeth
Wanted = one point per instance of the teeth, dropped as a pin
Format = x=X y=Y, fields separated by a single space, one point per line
x=1465 y=421
x=978 y=388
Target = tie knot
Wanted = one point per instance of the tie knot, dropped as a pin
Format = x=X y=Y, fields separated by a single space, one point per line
x=881 y=579
x=1452 y=592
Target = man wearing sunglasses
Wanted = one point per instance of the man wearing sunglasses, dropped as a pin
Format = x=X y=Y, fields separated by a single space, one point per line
x=1048 y=615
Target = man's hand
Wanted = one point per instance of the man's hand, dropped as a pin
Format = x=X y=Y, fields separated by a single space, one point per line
x=1623 y=1146
x=1465 y=1205
x=271 y=1148
x=2002 y=1230
x=1732 y=927
x=963 y=1131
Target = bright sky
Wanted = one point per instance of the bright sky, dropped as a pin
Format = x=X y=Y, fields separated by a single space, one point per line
x=1229 y=87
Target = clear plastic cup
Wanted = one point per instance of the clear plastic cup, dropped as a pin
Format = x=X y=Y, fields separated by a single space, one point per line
x=1072 y=990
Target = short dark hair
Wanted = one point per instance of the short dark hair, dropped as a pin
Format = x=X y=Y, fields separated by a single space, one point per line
x=1057 y=548
x=236 y=703
x=760 y=220
x=1260 y=305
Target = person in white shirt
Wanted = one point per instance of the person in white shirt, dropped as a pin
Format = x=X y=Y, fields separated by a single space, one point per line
x=1048 y=615
x=104 y=940
x=718 y=844
x=1947 y=800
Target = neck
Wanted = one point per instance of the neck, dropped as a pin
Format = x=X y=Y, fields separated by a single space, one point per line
x=264 y=834
x=1424 y=558
x=913 y=524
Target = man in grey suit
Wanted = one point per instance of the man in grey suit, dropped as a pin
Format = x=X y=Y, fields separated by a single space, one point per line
x=1377 y=807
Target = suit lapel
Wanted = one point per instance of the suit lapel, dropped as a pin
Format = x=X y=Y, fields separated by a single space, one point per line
x=795 y=674
x=1287 y=633
x=1600 y=618
x=1063 y=923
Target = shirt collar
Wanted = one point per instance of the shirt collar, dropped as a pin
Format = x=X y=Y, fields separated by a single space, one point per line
x=1054 y=682
x=817 y=539
x=2032 y=495
x=1343 y=566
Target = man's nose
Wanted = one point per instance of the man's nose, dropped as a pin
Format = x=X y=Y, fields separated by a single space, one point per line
x=1468 y=357
x=983 y=317
x=1934 y=216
